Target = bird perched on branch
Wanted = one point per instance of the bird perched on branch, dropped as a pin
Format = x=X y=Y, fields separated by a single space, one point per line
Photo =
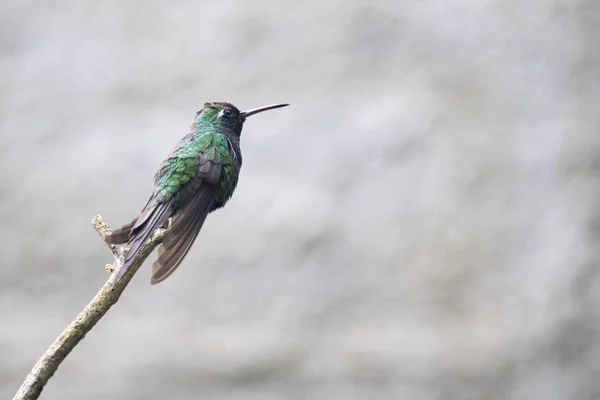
x=197 y=177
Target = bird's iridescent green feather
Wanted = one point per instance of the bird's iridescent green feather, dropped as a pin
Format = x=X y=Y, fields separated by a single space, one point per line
x=226 y=185
x=182 y=165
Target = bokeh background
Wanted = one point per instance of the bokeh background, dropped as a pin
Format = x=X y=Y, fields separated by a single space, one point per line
x=422 y=222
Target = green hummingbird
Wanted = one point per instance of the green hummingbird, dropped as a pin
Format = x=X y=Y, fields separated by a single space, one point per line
x=198 y=176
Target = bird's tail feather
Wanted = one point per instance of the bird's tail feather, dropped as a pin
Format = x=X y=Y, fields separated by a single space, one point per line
x=121 y=235
x=140 y=231
x=181 y=234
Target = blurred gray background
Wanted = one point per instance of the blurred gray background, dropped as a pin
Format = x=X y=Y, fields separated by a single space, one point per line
x=421 y=223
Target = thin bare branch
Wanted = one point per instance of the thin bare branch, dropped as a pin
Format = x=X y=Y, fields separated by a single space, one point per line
x=106 y=297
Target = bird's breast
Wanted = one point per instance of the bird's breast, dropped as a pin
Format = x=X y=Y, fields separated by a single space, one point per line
x=226 y=185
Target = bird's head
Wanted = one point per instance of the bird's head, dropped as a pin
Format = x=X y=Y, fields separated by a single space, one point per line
x=228 y=116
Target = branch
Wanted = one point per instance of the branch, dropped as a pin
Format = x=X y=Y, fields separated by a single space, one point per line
x=84 y=322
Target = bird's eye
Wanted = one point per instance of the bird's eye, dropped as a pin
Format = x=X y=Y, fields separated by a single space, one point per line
x=227 y=112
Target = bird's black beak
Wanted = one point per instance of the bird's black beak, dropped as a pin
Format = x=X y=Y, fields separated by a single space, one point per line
x=246 y=114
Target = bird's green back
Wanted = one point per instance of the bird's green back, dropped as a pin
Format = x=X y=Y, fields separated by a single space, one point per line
x=182 y=164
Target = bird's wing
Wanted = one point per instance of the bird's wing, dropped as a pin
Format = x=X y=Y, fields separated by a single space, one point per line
x=197 y=198
x=174 y=175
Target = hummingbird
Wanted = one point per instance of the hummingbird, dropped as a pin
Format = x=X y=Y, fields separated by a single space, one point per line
x=197 y=177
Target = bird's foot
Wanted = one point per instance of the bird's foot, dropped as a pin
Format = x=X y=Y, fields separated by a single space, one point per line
x=110 y=268
x=165 y=226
